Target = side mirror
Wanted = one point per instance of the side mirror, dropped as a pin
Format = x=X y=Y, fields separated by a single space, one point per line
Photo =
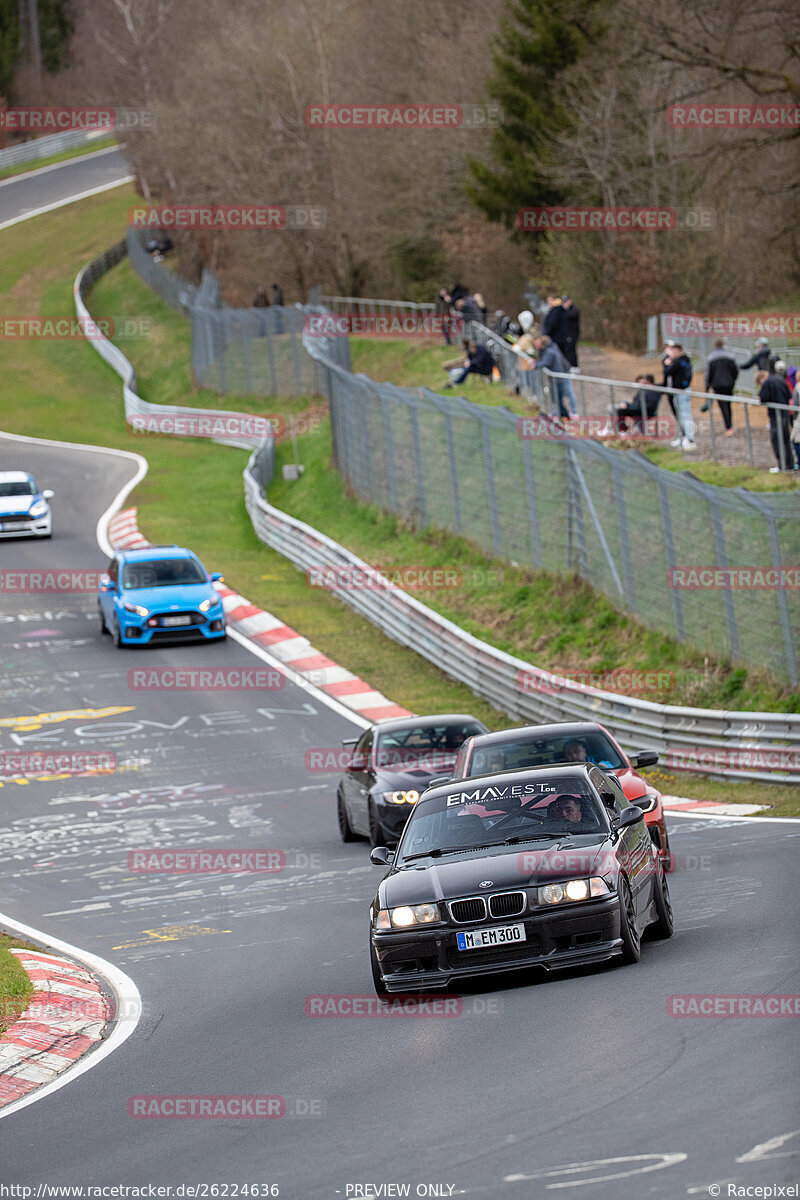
x=349 y=741
x=644 y=758
x=48 y=495
x=381 y=856
x=630 y=816
x=107 y=584
x=216 y=577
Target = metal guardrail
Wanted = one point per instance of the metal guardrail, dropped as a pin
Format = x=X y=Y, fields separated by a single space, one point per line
x=45 y=147
x=504 y=680
x=134 y=404
x=366 y=307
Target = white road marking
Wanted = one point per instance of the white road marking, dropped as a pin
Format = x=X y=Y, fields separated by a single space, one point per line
x=661 y=1161
x=761 y=1151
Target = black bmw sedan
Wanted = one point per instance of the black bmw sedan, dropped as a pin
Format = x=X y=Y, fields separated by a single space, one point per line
x=391 y=766
x=550 y=867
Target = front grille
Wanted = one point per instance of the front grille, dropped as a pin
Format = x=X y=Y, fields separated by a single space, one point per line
x=196 y=619
x=494 y=954
x=468 y=910
x=507 y=904
x=15 y=518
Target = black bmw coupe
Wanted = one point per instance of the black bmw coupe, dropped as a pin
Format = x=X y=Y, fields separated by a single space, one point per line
x=550 y=867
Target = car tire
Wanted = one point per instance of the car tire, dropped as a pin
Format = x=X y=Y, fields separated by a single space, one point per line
x=116 y=633
x=345 y=829
x=101 y=621
x=664 y=926
x=376 y=837
x=631 y=941
x=377 y=979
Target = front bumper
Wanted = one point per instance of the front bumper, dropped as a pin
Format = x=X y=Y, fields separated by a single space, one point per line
x=428 y=958
x=138 y=631
x=12 y=527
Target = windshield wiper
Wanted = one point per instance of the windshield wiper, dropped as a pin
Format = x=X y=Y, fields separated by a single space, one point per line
x=448 y=850
x=530 y=837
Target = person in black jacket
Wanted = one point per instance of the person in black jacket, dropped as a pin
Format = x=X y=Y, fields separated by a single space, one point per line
x=763 y=359
x=721 y=375
x=554 y=324
x=479 y=362
x=775 y=390
x=572 y=331
x=642 y=406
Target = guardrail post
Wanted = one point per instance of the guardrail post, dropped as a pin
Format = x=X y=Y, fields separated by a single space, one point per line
x=421 y=504
x=533 y=508
x=451 y=454
x=669 y=547
x=490 y=488
x=722 y=559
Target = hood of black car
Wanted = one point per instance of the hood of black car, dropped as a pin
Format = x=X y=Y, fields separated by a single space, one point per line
x=412 y=778
x=525 y=865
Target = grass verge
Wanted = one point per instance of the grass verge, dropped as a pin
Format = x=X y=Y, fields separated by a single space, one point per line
x=64 y=390
x=16 y=988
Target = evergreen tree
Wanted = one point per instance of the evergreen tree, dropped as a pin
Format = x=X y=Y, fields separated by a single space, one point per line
x=9 y=44
x=537 y=42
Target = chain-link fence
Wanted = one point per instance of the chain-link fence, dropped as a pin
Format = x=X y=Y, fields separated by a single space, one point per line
x=652 y=540
x=238 y=351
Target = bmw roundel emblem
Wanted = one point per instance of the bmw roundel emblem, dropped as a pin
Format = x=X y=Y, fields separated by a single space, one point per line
x=486 y=883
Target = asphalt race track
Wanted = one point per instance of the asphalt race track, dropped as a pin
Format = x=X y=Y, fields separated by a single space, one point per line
x=23 y=194
x=537 y=1074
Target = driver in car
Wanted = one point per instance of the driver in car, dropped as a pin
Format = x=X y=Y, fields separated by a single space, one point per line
x=575 y=751
x=566 y=808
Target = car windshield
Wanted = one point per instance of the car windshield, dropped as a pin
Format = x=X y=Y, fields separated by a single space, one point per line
x=427 y=747
x=19 y=487
x=162 y=572
x=498 y=813
x=518 y=753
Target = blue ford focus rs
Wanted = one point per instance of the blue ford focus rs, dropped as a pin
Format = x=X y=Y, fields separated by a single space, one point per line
x=159 y=593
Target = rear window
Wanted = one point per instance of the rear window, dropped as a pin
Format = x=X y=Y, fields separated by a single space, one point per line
x=429 y=747
x=516 y=754
x=162 y=572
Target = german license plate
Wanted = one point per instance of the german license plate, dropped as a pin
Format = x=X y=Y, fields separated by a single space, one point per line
x=499 y=935
x=177 y=621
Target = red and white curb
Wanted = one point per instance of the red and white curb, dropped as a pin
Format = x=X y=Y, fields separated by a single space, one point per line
x=714 y=808
x=66 y=1017
x=283 y=642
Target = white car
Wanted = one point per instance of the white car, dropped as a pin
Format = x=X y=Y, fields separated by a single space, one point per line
x=24 y=509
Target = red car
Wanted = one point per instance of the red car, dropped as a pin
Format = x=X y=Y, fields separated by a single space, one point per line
x=566 y=742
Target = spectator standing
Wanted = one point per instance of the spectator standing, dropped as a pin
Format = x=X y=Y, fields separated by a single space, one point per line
x=678 y=374
x=444 y=302
x=572 y=330
x=721 y=374
x=277 y=295
x=554 y=324
x=551 y=359
x=763 y=359
x=480 y=304
x=468 y=309
x=775 y=390
x=525 y=348
x=262 y=299
x=791 y=379
x=458 y=292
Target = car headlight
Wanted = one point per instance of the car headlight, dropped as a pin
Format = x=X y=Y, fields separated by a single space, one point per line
x=211 y=602
x=573 y=889
x=407 y=915
x=136 y=608
x=647 y=802
x=38 y=509
x=401 y=797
